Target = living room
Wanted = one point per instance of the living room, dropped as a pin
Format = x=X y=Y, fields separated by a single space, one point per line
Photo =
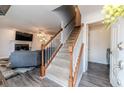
x=21 y=36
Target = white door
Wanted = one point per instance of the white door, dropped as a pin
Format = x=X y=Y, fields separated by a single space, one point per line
x=117 y=54
x=99 y=42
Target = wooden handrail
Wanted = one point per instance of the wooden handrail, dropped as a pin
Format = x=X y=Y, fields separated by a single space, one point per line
x=59 y=31
x=72 y=80
x=78 y=65
x=70 y=83
x=53 y=37
x=54 y=54
x=43 y=47
x=69 y=21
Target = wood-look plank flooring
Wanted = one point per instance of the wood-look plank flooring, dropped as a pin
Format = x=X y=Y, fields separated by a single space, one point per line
x=30 y=79
x=96 y=76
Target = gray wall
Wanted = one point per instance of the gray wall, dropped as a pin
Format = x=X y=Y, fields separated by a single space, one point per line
x=66 y=13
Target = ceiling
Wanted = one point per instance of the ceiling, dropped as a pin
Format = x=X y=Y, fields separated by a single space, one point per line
x=96 y=24
x=86 y=9
x=37 y=17
x=31 y=18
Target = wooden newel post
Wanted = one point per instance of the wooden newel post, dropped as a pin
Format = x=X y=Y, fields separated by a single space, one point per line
x=71 y=68
x=42 y=61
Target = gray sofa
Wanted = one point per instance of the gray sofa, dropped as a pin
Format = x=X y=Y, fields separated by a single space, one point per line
x=25 y=58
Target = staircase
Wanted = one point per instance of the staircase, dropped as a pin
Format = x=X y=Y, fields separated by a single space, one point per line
x=58 y=70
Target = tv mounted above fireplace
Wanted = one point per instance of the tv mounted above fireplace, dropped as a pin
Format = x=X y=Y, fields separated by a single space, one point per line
x=23 y=36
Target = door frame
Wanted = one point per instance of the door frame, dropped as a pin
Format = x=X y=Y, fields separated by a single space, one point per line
x=87 y=45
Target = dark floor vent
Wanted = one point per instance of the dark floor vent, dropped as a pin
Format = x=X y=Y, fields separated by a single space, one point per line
x=4 y=9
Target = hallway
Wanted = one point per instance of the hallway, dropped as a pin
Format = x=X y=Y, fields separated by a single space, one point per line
x=96 y=76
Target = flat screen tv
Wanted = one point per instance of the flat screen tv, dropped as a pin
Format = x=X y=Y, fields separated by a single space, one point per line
x=23 y=36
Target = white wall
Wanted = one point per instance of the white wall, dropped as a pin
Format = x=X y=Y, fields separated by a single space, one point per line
x=88 y=18
x=7 y=42
x=99 y=41
x=93 y=17
x=6 y=36
x=85 y=41
x=76 y=52
x=36 y=44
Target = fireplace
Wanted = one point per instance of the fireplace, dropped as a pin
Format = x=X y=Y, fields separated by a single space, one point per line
x=19 y=47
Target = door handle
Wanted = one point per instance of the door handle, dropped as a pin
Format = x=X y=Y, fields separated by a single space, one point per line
x=120 y=46
x=121 y=64
x=118 y=82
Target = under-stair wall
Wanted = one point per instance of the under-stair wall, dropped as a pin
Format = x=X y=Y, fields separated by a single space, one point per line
x=76 y=52
x=76 y=49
